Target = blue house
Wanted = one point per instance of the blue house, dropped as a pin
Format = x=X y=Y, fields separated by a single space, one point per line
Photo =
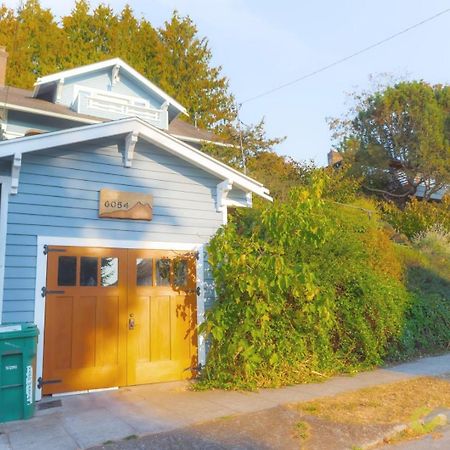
x=107 y=204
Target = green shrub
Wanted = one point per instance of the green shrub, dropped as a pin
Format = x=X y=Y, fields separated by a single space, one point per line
x=417 y=216
x=427 y=277
x=302 y=292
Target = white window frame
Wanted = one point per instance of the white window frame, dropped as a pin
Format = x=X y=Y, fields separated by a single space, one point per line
x=41 y=280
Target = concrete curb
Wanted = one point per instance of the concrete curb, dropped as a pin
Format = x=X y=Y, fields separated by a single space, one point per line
x=442 y=422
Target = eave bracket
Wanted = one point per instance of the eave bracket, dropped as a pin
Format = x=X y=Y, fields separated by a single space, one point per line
x=130 y=144
x=15 y=172
x=223 y=189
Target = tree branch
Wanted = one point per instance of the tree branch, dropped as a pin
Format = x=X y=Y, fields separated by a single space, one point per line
x=381 y=191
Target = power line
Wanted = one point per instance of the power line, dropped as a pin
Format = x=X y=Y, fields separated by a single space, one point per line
x=346 y=58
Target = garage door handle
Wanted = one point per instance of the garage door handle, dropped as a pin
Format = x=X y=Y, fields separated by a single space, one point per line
x=131 y=322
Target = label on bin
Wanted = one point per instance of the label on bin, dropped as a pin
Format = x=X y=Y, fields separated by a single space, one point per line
x=29 y=385
x=9 y=328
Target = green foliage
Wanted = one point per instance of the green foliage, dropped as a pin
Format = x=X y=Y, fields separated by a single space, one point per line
x=301 y=292
x=399 y=138
x=427 y=277
x=417 y=216
x=173 y=56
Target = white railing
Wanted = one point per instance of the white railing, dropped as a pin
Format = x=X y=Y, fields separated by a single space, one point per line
x=121 y=105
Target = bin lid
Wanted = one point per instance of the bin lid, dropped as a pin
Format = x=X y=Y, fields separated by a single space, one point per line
x=18 y=330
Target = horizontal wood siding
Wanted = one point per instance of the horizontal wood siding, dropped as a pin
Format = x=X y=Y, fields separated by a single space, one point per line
x=101 y=80
x=20 y=122
x=58 y=196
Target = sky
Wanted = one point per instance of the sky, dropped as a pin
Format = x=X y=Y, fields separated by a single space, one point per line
x=262 y=44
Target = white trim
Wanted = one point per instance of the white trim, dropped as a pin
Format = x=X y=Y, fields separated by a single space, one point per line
x=15 y=172
x=222 y=201
x=4 y=202
x=222 y=191
x=41 y=279
x=130 y=144
x=90 y=90
x=145 y=131
x=200 y=272
x=109 y=63
x=59 y=89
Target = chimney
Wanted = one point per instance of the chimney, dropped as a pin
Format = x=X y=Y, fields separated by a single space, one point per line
x=334 y=158
x=3 y=64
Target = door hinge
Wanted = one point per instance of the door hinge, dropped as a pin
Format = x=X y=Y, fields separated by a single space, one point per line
x=53 y=250
x=41 y=382
x=198 y=291
x=45 y=292
x=197 y=256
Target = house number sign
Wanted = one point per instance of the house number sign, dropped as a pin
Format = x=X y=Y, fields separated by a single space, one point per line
x=125 y=205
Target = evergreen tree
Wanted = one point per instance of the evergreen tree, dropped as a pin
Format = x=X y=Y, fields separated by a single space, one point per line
x=188 y=75
x=173 y=57
x=34 y=41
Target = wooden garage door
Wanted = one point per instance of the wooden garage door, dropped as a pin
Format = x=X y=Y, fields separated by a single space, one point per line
x=162 y=305
x=117 y=317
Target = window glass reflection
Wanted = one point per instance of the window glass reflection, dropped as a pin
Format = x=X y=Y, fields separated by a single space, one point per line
x=88 y=271
x=144 y=271
x=180 y=273
x=162 y=272
x=109 y=272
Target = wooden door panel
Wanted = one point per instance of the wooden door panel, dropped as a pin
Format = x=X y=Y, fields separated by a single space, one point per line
x=85 y=328
x=162 y=346
x=114 y=332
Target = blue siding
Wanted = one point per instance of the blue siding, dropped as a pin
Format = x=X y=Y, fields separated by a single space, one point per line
x=58 y=196
x=102 y=80
x=21 y=122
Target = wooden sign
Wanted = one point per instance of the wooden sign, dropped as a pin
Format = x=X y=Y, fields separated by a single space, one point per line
x=125 y=205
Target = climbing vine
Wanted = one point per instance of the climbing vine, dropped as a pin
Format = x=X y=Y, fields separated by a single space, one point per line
x=301 y=294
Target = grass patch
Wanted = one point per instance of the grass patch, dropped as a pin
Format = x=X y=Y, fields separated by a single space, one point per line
x=394 y=403
x=417 y=429
x=303 y=430
x=130 y=437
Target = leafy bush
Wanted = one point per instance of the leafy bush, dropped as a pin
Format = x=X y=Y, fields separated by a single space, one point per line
x=302 y=292
x=427 y=277
x=417 y=216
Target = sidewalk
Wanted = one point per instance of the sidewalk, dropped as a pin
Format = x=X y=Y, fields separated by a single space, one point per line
x=82 y=421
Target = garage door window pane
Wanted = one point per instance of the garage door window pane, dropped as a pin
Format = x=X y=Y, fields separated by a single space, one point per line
x=180 y=272
x=163 y=272
x=144 y=272
x=67 y=271
x=88 y=271
x=110 y=271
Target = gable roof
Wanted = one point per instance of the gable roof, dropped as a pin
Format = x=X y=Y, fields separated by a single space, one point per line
x=22 y=100
x=104 y=65
x=141 y=129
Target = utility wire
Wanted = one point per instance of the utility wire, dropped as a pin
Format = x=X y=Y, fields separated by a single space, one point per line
x=346 y=58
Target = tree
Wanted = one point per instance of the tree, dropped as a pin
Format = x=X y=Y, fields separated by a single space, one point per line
x=34 y=42
x=399 y=139
x=188 y=75
x=174 y=57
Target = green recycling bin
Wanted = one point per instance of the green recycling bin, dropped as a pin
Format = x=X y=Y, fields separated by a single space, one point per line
x=18 y=344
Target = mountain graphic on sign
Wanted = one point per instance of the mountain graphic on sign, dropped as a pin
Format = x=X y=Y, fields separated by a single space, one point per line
x=142 y=211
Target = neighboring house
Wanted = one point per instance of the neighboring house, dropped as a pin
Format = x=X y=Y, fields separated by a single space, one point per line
x=106 y=206
x=335 y=160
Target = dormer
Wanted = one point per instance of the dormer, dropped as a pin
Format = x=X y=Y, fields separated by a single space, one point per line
x=111 y=90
